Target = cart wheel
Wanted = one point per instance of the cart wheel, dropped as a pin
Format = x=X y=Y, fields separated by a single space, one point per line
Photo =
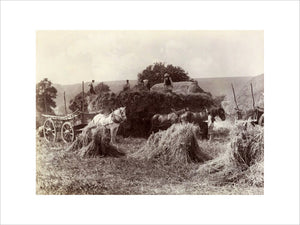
x=67 y=132
x=49 y=130
x=261 y=120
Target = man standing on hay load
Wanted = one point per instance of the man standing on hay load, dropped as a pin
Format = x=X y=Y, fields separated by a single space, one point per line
x=168 y=83
x=91 y=85
x=126 y=87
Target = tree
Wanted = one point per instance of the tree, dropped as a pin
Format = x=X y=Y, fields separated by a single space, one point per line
x=155 y=73
x=45 y=95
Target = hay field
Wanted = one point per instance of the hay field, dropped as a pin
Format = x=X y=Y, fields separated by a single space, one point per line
x=59 y=171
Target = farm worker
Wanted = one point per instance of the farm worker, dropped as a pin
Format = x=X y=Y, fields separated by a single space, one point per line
x=126 y=86
x=147 y=84
x=168 y=83
x=193 y=87
x=91 y=85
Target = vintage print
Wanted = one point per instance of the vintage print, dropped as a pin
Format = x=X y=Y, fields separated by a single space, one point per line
x=141 y=112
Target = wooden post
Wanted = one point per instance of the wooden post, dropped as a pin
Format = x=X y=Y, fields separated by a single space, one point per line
x=45 y=101
x=82 y=106
x=252 y=96
x=239 y=114
x=65 y=103
x=237 y=107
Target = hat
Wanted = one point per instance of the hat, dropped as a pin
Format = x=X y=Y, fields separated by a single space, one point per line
x=166 y=75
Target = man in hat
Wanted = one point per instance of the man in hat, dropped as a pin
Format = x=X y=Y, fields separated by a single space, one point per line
x=91 y=85
x=147 y=84
x=168 y=83
x=126 y=87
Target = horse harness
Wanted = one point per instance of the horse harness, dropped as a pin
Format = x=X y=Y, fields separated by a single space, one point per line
x=116 y=120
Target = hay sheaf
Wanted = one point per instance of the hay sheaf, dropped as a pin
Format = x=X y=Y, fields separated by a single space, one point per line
x=243 y=162
x=93 y=142
x=177 y=144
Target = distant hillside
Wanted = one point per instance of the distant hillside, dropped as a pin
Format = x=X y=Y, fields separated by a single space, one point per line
x=221 y=86
x=216 y=86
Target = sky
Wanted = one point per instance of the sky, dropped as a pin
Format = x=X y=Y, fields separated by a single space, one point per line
x=68 y=57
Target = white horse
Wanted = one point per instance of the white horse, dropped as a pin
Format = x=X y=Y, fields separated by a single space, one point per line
x=111 y=121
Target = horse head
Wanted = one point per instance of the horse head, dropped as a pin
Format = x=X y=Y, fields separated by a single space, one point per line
x=221 y=113
x=186 y=117
x=120 y=114
x=181 y=111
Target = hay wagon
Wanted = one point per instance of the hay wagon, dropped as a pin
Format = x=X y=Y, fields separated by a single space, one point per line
x=68 y=126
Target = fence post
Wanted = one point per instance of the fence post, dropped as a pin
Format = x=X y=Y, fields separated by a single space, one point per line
x=252 y=96
x=65 y=103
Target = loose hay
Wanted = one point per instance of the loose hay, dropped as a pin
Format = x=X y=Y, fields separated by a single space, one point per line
x=243 y=162
x=177 y=144
x=142 y=105
x=93 y=142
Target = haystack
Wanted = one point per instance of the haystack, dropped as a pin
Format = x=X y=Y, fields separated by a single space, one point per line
x=183 y=87
x=93 y=142
x=142 y=104
x=243 y=162
x=178 y=144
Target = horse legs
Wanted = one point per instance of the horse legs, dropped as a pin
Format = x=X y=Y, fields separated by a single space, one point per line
x=204 y=129
x=113 y=134
x=112 y=139
x=153 y=126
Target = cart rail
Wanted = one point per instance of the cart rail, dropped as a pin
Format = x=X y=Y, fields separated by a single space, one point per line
x=63 y=118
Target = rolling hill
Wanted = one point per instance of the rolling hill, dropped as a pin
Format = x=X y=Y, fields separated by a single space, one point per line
x=244 y=97
x=221 y=86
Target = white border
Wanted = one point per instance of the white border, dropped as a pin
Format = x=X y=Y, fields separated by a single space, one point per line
x=20 y=20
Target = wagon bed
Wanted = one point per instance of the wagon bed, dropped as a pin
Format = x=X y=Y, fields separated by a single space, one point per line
x=67 y=125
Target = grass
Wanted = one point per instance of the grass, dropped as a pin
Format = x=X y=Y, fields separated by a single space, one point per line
x=64 y=172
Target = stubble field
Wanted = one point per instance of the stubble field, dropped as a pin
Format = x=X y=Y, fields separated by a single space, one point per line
x=59 y=171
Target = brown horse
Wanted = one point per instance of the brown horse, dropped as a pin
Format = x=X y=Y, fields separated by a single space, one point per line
x=205 y=119
x=164 y=121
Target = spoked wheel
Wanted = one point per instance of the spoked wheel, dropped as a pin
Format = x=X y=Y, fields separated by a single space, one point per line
x=67 y=132
x=49 y=130
x=261 y=120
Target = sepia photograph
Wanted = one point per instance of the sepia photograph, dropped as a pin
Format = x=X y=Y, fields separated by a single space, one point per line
x=150 y=112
